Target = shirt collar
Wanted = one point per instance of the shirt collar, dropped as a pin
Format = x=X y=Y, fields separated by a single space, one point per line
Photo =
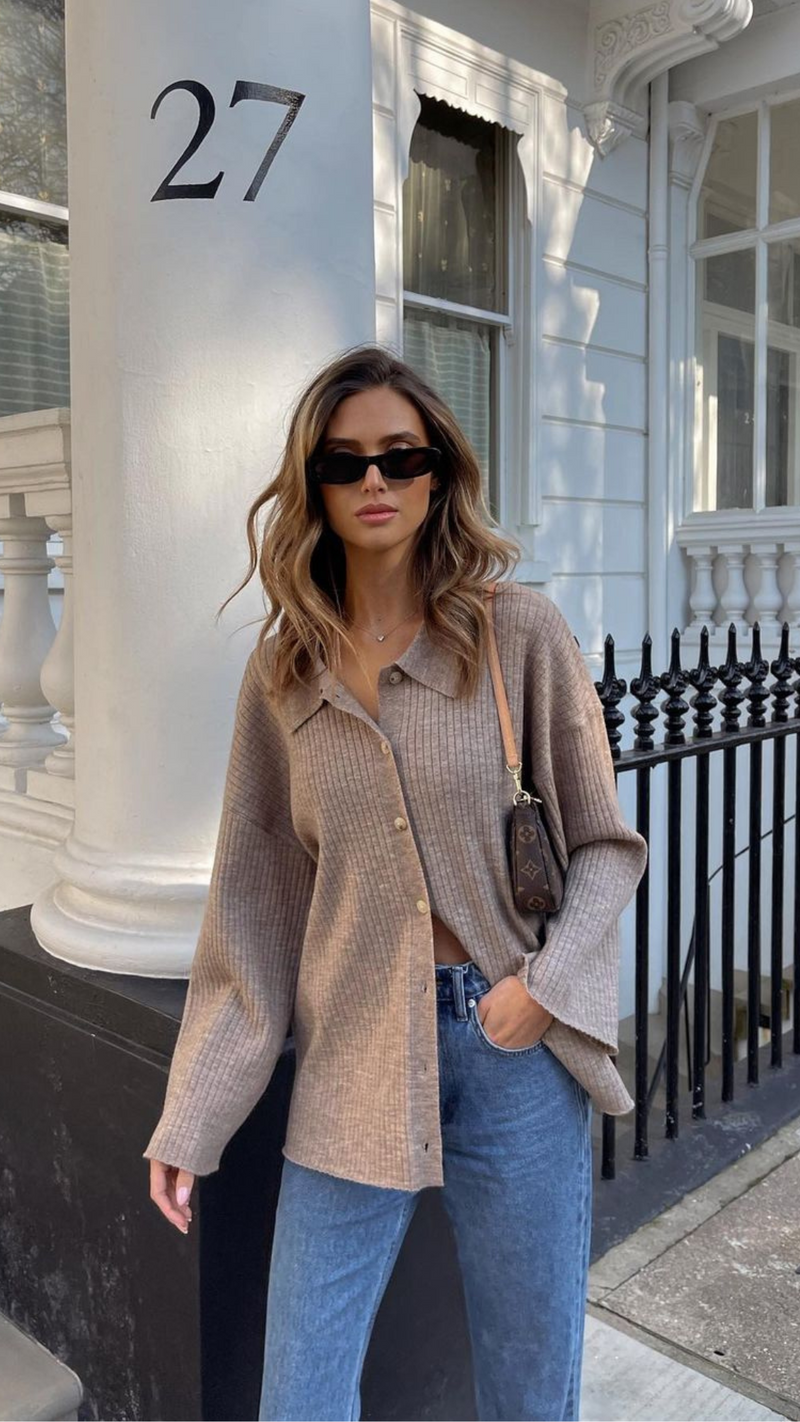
x=423 y=660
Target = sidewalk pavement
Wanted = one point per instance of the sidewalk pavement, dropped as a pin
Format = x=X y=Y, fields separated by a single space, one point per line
x=697 y=1314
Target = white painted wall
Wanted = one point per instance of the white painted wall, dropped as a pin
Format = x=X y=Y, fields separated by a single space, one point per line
x=592 y=321
x=549 y=35
x=594 y=380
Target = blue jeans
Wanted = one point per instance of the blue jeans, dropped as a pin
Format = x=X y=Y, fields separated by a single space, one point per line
x=516 y=1129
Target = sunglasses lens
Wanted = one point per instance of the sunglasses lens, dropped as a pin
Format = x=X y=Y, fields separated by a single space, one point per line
x=338 y=468
x=408 y=463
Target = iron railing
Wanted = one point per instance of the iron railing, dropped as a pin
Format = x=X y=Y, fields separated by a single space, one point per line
x=742 y=682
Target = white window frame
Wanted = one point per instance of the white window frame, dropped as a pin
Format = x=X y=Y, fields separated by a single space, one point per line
x=508 y=221
x=412 y=55
x=764 y=332
x=720 y=320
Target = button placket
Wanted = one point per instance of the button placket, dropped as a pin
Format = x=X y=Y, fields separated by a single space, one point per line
x=401 y=824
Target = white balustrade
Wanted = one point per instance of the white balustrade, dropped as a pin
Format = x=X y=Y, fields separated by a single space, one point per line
x=702 y=598
x=36 y=661
x=58 y=678
x=767 y=599
x=734 y=598
x=749 y=572
x=791 y=548
x=26 y=633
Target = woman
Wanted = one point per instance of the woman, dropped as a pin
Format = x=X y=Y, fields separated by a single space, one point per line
x=361 y=894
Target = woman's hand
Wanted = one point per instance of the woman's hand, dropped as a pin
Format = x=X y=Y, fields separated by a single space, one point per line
x=170 y=1188
x=511 y=1017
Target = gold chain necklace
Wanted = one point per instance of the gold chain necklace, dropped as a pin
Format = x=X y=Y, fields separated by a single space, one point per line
x=381 y=636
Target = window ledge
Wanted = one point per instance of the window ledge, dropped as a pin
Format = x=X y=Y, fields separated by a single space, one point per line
x=716 y=526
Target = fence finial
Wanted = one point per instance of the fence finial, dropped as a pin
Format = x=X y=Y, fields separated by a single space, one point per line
x=781 y=669
x=645 y=688
x=756 y=672
x=611 y=691
x=730 y=674
x=703 y=677
x=674 y=707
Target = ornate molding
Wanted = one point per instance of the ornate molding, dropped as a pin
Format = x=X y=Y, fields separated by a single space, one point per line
x=687 y=130
x=629 y=48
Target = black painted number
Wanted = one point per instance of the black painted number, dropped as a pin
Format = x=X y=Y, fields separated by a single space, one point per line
x=242 y=89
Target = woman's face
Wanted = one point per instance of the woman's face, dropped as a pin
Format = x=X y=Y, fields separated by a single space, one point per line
x=371 y=422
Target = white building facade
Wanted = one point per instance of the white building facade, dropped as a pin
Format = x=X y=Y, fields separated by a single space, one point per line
x=580 y=220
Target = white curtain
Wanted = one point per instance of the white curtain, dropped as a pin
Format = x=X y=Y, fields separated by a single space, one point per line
x=34 y=318
x=455 y=357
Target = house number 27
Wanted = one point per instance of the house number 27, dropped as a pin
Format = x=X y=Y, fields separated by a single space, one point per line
x=242 y=89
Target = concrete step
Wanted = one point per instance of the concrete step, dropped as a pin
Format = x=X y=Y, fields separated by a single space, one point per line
x=33 y=1384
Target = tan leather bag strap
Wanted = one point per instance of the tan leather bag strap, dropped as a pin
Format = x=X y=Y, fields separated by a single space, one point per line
x=509 y=741
x=513 y=762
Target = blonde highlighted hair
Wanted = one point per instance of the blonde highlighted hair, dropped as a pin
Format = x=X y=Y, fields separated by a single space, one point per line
x=301 y=561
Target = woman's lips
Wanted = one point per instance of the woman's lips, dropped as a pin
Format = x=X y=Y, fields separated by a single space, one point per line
x=382 y=516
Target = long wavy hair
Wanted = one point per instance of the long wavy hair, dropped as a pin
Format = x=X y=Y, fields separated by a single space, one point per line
x=301 y=561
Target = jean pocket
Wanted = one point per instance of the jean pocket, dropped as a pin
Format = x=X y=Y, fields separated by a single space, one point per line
x=486 y=1041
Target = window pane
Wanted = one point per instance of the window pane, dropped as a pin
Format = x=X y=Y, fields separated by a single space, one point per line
x=450 y=237
x=726 y=332
x=784 y=174
x=33 y=122
x=729 y=187
x=730 y=280
x=783 y=282
x=455 y=357
x=734 y=431
x=779 y=394
x=783 y=296
x=34 y=316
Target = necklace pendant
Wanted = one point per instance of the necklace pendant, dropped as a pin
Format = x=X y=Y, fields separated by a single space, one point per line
x=381 y=639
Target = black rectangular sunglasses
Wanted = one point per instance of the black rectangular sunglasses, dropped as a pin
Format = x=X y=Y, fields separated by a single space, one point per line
x=344 y=468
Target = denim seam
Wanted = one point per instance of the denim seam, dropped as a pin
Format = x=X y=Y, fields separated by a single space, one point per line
x=584 y=1228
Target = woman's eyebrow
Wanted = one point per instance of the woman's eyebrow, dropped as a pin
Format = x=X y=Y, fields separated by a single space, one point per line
x=387 y=439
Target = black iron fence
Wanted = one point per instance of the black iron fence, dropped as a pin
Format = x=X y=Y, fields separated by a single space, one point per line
x=716 y=737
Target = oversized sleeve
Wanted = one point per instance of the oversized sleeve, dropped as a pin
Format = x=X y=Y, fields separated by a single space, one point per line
x=575 y=975
x=242 y=981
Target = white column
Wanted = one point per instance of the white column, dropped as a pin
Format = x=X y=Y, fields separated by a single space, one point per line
x=194 y=323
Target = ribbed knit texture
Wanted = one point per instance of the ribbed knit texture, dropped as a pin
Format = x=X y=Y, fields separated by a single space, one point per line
x=338 y=837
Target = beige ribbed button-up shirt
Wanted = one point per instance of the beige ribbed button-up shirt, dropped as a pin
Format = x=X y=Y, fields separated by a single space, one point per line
x=338 y=837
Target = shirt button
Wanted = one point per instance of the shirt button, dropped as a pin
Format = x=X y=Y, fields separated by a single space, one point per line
x=396 y=676
x=385 y=747
x=424 y=987
x=422 y=906
x=400 y=823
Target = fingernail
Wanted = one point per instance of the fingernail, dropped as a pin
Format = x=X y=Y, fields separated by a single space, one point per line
x=183 y=1194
